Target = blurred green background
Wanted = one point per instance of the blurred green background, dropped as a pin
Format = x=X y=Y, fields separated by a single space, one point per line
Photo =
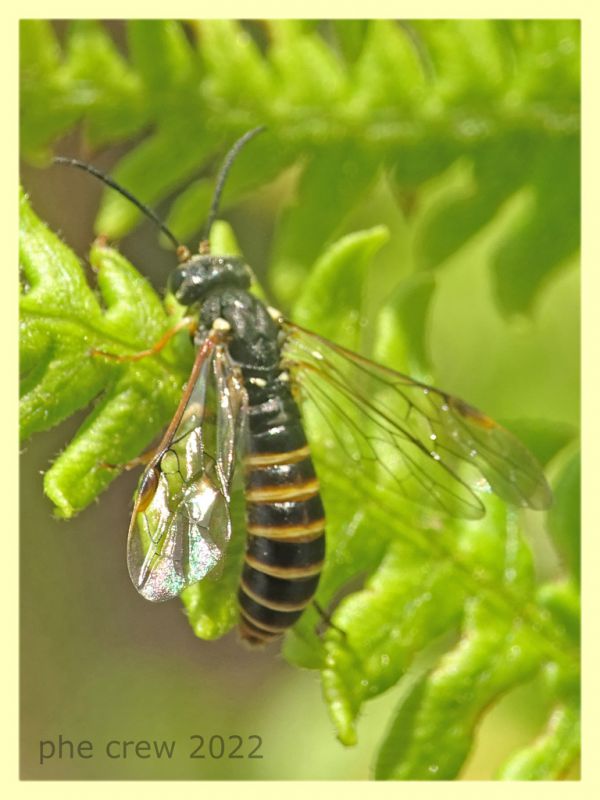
x=100 y=663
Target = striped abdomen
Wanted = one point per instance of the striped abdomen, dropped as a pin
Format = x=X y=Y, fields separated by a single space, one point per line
x=285 y=520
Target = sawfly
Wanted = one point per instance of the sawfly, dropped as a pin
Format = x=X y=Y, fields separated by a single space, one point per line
x=241 y=408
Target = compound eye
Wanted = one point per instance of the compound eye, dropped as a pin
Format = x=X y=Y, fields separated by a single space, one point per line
x=176 y=279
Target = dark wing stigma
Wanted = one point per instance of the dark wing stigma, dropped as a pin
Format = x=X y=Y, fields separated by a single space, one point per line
x=432 y=448
x=181 y=524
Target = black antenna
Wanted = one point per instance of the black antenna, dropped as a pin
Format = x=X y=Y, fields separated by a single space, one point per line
x=222 y=177
x=73 y=162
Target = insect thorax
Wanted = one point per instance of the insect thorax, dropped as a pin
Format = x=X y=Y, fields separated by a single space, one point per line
x=254 y=342
x=217 y=286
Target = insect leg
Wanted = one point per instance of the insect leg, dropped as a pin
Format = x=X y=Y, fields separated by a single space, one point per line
x=327 y=619
x=187 y=323
x=144 y=458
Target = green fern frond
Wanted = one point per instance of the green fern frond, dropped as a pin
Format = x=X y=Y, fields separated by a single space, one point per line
x=61 y=321
x=416 y=97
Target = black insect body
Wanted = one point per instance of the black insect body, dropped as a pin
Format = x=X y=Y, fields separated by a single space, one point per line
x=284 y=513
x=239 y=404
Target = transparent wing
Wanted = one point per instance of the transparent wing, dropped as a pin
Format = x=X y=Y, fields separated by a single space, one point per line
x=433 y=448
x=180 y=524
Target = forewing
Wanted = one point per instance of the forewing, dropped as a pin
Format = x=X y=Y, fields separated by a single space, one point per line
x=432 y=447
x=181 y=524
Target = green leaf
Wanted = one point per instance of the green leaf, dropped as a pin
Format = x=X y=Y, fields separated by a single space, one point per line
x=417 y=593
x=306 y=69
x=190 y=209
x=342 y=175
x=331 y=298
x=388 y=74
x=61 y=320
x=49 y=106
x=163 y=58
x=445 y=706
x=401 y=327
x=476 y=70
x=552 y=754
x=236 y=74
x=562 y=600
x=528 y=243
x=461 y=215
x=222 y=239
x=97 y=66
x=179 y=155
x=40 y=50
x=408 y=602
x=350 y=35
